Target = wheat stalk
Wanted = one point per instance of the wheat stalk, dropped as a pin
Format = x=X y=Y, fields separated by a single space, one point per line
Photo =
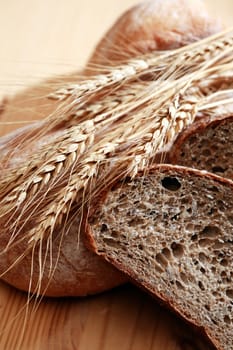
x=159 y=65
x=115 y=124
x=142 y=143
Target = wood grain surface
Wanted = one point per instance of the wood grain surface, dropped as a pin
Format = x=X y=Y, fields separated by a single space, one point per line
x=40 y=38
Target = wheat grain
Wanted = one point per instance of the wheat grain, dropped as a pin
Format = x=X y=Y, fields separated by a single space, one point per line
x=120 y=74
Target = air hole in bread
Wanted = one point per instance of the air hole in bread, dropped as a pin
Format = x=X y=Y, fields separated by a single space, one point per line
x=161 y=260
x=218 y=246
x=221 y=205
x=158 y=268
x=171 y=183
x=136 y=221
x=212 y=211
x=210 y=231
x=227 y=319
x=114 y=234
x=189 y=210
x=224 y=262
x=104 y=228
x=175 y=217
x=213 y=189
x=167 y=253
x=229 y=293
x=203 y=258
x=230 y=219
x=194 y=237
x=220 y=255
x=218 y=169
x=201 y=286
x=223 y=274
x=214 y=321
x=205 y=242
x=202 y=270
x=184 y=277
x=177 y=250
x=213 y=268
x=111 y=242
x=152 y=213
x=179 y=285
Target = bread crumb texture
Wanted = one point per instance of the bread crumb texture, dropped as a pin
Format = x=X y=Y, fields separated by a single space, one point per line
x=171 y=231
x=207 y=146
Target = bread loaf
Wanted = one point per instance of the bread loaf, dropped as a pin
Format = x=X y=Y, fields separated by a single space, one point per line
x=73 y=270
x=207 y=145
x=154 y=25
x=170 y=230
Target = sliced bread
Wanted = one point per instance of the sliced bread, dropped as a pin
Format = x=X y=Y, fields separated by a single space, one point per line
x=206 y=144
x=146 y=27
x=171 y=231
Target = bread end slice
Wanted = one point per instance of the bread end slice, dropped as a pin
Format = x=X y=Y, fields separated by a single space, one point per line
x=206 y=144
x=171 y=231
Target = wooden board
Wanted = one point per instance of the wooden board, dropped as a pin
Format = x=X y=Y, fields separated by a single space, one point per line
x=38 y=39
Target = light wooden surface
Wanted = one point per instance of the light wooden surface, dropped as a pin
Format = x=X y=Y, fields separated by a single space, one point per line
x=39 y=38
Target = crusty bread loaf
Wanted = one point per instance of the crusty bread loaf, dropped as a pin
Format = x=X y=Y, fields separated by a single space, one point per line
x=171 y=231
x=146 y=27
x=73 y=270
x=206 y=144
x=154 y=25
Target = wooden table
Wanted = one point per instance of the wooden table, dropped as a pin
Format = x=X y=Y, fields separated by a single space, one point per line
x=38 y=39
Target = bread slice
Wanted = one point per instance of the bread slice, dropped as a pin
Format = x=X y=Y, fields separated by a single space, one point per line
x=171 y=231
x=207 y=144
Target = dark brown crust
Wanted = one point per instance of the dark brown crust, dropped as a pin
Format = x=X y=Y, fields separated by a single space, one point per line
x=195 y=128
x=91 y=244
x=79 y=272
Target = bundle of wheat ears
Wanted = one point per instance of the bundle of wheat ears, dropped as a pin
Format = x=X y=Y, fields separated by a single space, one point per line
x=109 y=125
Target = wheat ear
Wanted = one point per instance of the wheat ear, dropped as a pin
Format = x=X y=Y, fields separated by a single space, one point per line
x=130 y=157
x=122 y=139
x=156 y=62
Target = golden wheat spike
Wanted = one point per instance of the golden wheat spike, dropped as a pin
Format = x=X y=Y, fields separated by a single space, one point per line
x=116 y=132
x=156 y=62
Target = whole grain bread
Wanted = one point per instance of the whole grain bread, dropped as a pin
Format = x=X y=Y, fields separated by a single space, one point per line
x=70 y=269
x=206 y=144
x=74 y=270
x=171 y=231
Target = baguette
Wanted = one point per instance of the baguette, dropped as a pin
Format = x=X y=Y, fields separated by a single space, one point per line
x=207 y=145
x=171 y=231
x=148 y=26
